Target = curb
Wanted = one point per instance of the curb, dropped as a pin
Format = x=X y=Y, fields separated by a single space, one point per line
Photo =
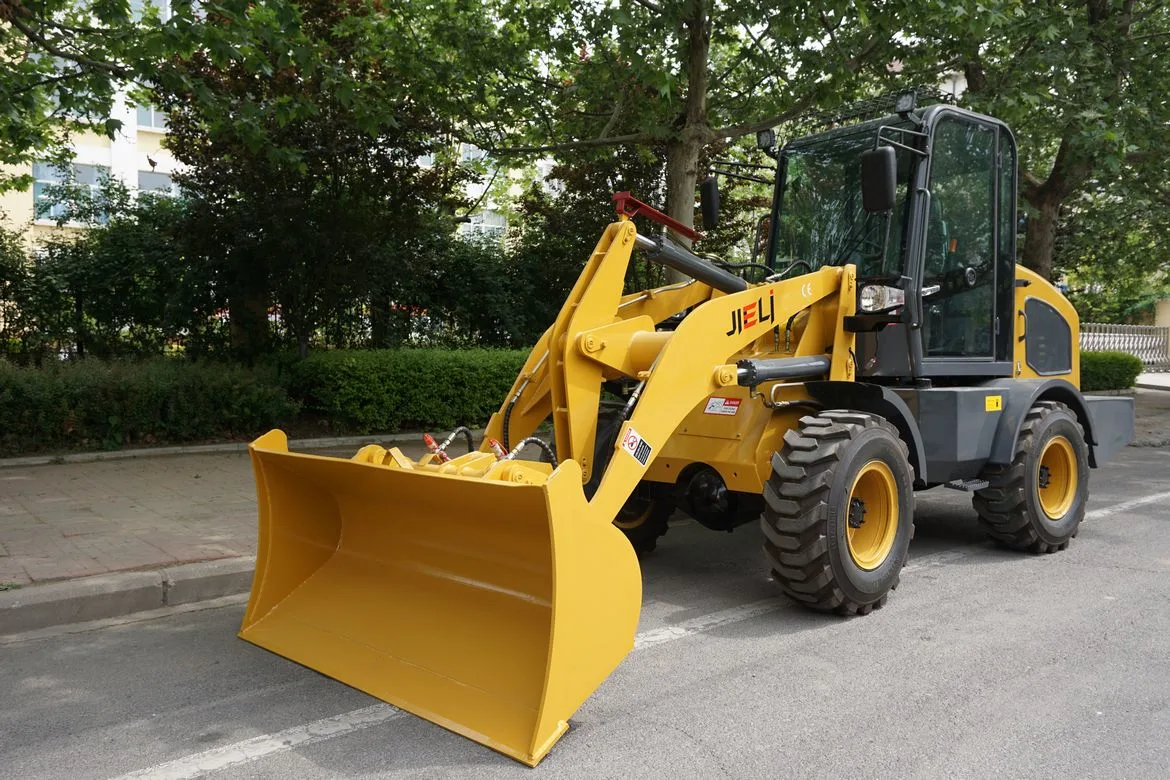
x=121 y=593
x=1151 y=386
x=210 y=449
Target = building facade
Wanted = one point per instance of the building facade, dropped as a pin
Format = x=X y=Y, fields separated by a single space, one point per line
x=135 y=156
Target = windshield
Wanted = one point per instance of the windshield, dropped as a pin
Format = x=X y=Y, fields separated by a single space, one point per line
x=822 y=221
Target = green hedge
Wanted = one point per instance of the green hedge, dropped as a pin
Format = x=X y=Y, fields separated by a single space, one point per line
x=365 y=391
x=92 y=405
x=1108 y=371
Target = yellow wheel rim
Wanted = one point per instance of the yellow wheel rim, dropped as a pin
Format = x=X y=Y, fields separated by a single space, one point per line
x=628 y=519
x=1056 y=477
x=872 y=515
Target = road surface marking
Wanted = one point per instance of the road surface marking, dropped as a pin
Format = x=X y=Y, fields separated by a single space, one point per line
x=937 y=559
x=1097 y=514
x=247 y=751
x=707 y=622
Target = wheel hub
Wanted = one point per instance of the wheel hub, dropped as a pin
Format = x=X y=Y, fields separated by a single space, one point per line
x=856 y=513
x=1045 y=478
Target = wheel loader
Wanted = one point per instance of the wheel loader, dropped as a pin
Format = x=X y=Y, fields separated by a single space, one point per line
x=888 y=343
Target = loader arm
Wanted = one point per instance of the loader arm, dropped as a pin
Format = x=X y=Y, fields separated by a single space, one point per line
x=696 y=361
x=528 y=402
x=600 y=334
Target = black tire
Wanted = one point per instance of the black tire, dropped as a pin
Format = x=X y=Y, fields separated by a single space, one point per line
x=643 y=518
x=1013 y=506
x=809 y=510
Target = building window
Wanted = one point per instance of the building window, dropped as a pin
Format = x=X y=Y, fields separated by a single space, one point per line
x=46 y=175
x=471 y=153
x=138 y=9
x=149 y=116
x=152 y=181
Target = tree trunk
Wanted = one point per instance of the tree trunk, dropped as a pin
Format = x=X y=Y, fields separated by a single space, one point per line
x=1040 y=239
x=682 y=174
x=79 y=325
x=379 y=321
x=248 y=315
x=682 y=154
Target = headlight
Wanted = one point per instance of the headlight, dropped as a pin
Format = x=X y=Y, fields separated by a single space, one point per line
x=875 y=297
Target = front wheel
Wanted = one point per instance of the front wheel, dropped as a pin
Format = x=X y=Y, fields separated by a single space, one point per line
x=643 y=518
x=839 y=511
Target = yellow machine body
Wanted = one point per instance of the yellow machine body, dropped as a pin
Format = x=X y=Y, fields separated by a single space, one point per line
x=491 y=597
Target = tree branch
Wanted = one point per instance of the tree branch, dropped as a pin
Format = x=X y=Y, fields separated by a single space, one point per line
x=829 y=29
x=613 y=119
x=588 y=143
x=37 y=38
x=747 y=128
x=743 y=56
x=650 y=5
x=483 y=196
x=46 y=82
x=1032 y=186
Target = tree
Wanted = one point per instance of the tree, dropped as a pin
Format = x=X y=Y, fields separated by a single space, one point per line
x=342 y=214
x=67 y=60
x=1111 y=247
x=123 y=287
x=1082 y=84
x=13 y=274
x=682 y=76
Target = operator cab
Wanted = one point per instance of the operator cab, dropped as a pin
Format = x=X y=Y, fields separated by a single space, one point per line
x=936 y=272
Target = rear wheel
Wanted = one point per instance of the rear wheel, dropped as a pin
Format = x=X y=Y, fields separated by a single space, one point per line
x=838 y=511
x=1036 y=503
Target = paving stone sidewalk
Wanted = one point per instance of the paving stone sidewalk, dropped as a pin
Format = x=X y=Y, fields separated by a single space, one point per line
x=70 y=520
x=73 y=520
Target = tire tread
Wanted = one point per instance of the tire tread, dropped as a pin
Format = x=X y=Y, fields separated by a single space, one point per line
x=796 y=507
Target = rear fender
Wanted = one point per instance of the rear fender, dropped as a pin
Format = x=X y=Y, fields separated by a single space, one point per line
x=1020 y=395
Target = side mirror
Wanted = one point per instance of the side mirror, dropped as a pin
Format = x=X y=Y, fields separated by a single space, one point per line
x=879 y=180
x=709 y=202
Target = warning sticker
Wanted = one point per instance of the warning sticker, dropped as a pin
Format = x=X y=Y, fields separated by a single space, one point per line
x=636 y=446
x=719 y=405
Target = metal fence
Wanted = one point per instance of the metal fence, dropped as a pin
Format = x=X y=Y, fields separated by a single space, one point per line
x=1149 y=343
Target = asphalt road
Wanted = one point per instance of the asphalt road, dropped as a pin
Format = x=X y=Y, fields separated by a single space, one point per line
x=985 y=663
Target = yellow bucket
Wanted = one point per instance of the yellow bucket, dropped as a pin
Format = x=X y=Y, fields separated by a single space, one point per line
x=491 y=608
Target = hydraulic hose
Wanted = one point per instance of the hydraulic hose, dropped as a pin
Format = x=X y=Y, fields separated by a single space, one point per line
x=543 y=445
x=515 y=398
x=462 y=429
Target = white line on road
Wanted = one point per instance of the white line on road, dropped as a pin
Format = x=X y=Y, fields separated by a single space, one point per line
x=936 y=559
x=1097 y=514
x=707 y=622
x=249 y=750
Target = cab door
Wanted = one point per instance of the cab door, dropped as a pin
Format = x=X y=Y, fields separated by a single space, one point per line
x=965 y=261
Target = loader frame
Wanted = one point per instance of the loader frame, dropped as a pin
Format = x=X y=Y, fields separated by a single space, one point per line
x=601 y=334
